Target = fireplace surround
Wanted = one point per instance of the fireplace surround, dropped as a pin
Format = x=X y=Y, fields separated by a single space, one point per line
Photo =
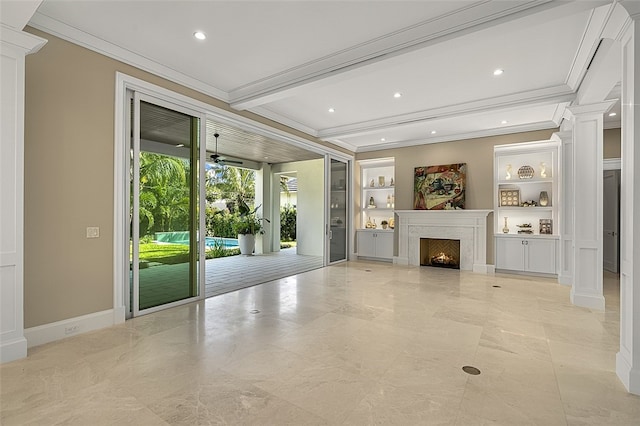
x=468 y=226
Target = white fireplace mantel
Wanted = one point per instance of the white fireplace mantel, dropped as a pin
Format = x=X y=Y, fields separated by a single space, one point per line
x=468 y=226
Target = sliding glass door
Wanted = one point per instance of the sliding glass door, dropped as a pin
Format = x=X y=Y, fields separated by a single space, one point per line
x=167 y=260
x=338 y=210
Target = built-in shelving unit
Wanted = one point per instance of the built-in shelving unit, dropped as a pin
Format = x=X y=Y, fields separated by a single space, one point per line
x=526 y=181
x=377 y=203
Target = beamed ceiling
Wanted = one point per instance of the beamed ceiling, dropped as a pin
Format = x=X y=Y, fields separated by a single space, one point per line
x=293 y=61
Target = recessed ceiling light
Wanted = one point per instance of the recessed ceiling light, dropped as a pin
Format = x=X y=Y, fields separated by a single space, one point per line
x=332 y=110
x=200 y=35
x=382 y=139
x=397 y=95
x=504 y=122
x=433 y=132
x=612 y=114
x=498 y=72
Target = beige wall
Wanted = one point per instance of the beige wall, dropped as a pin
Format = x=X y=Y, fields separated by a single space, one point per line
x=477 y=153
x=69 y=135
x=612 y=143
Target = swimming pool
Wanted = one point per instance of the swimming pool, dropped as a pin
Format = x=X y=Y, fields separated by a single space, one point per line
x=182 y=237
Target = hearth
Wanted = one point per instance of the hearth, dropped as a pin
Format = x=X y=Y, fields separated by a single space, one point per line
x=440 y=253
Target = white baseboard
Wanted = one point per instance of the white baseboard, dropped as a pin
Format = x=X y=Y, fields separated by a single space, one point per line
x=587 y=301
x=70 y=327
x=484 y=269
x=629 y=377
x=565 y=279
x=12 y=350
x=400 y=260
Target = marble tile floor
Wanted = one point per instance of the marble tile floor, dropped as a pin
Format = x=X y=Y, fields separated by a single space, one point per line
x=353 y=344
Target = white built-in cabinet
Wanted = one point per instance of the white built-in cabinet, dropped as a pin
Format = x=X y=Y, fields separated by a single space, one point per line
x=375 y=243
x=526 y=184
x=377 y=203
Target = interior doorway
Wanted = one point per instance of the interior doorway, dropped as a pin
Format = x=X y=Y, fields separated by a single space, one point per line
x=611 y=221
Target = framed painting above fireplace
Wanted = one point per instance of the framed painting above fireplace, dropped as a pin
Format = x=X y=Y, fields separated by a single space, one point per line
x=440 y=187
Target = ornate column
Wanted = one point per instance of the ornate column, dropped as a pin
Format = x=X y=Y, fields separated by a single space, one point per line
x=628 y=358
x=586 y=191
x=14 y=46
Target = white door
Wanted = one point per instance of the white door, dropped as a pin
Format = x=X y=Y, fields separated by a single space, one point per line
x=611 y=205
x=337 y=208
x=510 y=253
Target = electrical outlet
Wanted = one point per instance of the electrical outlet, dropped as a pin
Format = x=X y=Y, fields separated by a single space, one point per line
x=71 y=329
x=93 y=232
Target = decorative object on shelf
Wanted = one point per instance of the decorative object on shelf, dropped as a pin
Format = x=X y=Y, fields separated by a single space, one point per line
x=546 y=226
x=374 y=225
x=372 y=183
x=543 y=170
x=391 y=184
x=380 y=180
x=372 y=203
x=388 y=201
x=544 y=199
x=384 y=224
x=393 y=201
x=392 y=223
x=529 y=203
x=525 y=228
x=505 y=230
x=510 y=197
x=369 y=224
x=509 y=171
x=436 y=187
x=526 y=172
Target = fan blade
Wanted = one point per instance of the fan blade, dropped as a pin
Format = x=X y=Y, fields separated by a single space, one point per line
x=232 y=161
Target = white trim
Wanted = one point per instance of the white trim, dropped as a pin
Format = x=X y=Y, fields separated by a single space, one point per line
x=611 y=164
x=51 y=332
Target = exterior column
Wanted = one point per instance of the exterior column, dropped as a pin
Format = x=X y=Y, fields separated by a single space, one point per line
x=263 y=199
x=628 y=358
x=586 y=191
x=566 y=185
x=14 y=46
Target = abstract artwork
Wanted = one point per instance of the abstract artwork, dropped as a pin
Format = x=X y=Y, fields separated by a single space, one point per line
x=440 y=187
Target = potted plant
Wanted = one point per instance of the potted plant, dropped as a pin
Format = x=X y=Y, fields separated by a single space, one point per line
x=384 y=224
x=247 y=227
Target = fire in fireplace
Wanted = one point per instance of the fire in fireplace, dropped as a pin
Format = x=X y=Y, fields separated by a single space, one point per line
x=441 y=253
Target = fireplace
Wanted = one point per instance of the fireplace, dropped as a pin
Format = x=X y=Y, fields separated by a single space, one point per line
x=440 y=253
x=467 y=226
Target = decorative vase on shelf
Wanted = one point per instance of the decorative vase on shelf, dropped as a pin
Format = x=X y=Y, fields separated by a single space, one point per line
x=508 y=176
x=543 y=170
x=380 y=180
x=372 y=203
x=505 y=230
x=372 y=183
x=544 y=199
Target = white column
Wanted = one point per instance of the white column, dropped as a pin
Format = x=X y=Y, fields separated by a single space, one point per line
x=263 y=199
x=14 y=45
x=588 y=138
x=565 y=274
x=628 y=358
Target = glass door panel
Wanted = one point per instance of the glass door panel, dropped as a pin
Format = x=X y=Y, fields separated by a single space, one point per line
x=338 y=210
x=164 y=206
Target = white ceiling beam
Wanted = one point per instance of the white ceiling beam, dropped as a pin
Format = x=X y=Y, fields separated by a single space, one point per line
x=464 y=21
x=558 y=94
x=603 y=75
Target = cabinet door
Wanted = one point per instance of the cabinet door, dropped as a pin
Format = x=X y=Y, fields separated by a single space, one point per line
x=384 y=244
x=510 y=254
x=366 y=244
x=541 y=256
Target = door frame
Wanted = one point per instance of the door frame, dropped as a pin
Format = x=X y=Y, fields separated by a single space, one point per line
x=327 y=210
x=125 y=82
x=613 y=164
x=138 y=97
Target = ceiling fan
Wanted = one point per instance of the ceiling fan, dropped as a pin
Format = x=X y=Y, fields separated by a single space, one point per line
x=218 y=159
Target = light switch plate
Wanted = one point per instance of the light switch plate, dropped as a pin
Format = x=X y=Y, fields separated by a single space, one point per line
x=93 y=232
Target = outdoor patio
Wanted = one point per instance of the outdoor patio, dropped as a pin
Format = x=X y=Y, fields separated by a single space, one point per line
x=225 y=274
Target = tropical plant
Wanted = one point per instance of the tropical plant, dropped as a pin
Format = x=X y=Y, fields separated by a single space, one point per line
x=288 y=223
x=248 y=221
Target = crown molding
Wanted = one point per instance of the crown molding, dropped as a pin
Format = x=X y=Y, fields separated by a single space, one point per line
x=274 y=116
x=530 y=127
x=549 y=95
x=66 y=32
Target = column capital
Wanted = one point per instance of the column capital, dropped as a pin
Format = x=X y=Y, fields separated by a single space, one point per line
x=26 y=42
x=590 y=109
